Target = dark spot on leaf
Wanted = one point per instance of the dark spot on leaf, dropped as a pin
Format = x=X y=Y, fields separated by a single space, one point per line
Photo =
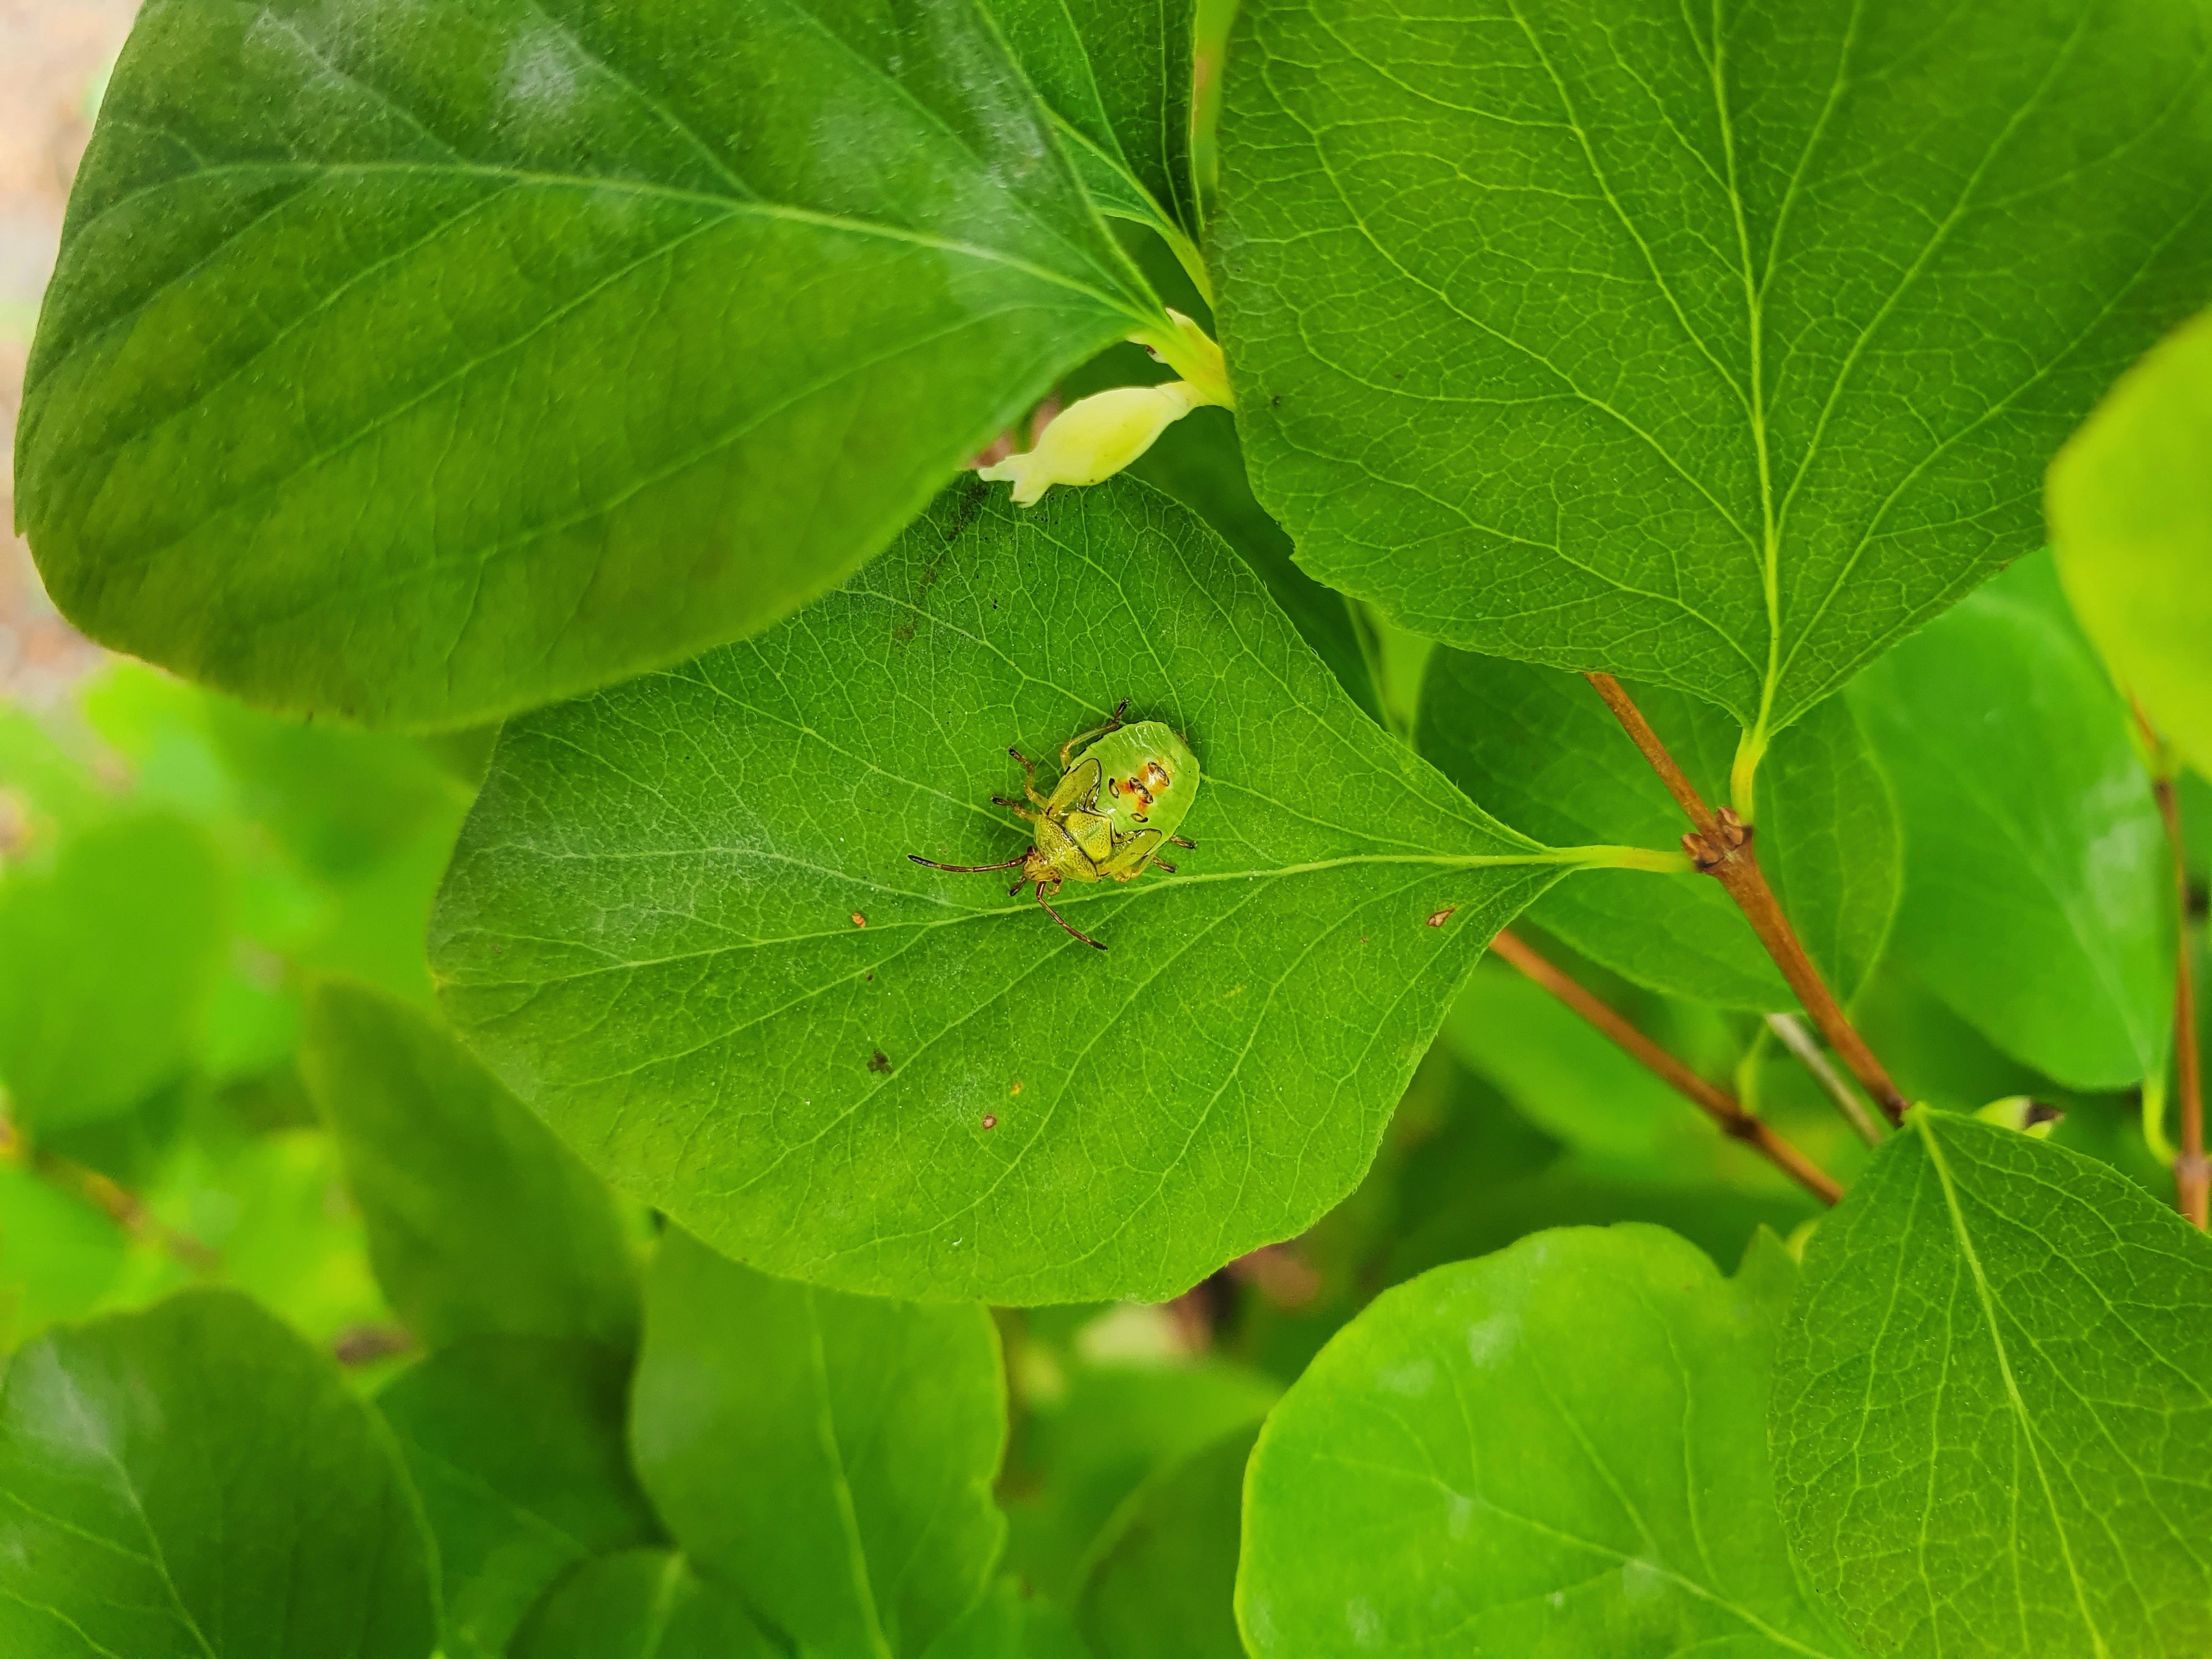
x=989 y=1121
x=880 y=1063
x=1437 y=919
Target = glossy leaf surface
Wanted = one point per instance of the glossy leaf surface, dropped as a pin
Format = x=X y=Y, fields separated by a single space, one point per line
x=1544 y=752
x=829 y=1455
x=107 y=962
x=1558 y=1448
x=2037 y=901
x=516 y=1446
x=1715 y=348
x=480 y=1222
x=195 y=1482
x=703 y=876
x=2131 y=506
x=1991 y=1422
x=420 y=365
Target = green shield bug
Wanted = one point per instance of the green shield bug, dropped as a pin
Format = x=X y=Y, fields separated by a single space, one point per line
x=1115 y=806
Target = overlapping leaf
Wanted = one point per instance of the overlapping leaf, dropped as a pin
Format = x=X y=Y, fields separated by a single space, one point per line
x=1719 y=346
x=682 y=925
x=1558 y=1448
x=2130 y=505
x=830 y=1456
x=1991 y=1422
x=1539 y=748
x=2037 y=886
x=422 y=364
x=195 y=1482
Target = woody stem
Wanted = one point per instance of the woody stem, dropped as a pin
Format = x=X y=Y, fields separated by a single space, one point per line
x=1721 y=847
x=1716 y=1103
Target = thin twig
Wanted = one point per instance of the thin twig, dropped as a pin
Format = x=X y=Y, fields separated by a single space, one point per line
x=1799 y=1041
x=1717 y=1103
x=1720 y=845
x=121 y=1206
x=2192 y=1176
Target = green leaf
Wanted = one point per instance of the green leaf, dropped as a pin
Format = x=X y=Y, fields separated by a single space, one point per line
x=664 y=888
x=2037 y=885
x=1118 y=79
x=194 y=1482
x=1715 y=348
x=421 y=367
x=640 y=1604
x=58 y=1254
x=516 y=1444
x=829 y=1455
x=1544 y=752
x=106 y=964
x=479 y=1221
x=1991 y=1425
x=1557 y=1449
x=1163 y=1581
x=2131 y=506
x=1009 y=1623
x=1107 y=1429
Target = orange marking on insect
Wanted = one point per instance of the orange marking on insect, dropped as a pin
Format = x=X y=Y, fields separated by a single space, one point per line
x=1438 y=918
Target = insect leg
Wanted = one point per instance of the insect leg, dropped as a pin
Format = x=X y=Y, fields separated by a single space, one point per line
x=1188 y=846
x=1014 y=806
x=1162 y=863
x=1113 y=724
x=967 y=869
x=1028 y=777
x=1055 y=915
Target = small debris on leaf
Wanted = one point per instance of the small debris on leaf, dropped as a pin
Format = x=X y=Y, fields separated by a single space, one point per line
x=1437 y=918
x=989 y=1121
x=879 y=1062
x=858 y=920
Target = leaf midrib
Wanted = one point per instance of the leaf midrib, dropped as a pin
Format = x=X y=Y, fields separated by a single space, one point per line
x=2024 y=1424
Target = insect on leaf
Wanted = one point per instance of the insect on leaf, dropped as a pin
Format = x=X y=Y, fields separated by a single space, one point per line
x=682 y=922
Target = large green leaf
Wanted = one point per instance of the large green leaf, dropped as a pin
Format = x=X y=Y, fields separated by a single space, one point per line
x=1118 y=77
x=2037 y=885
x=1010 y=1623
x=2131 y=506
x=830 y=1455
x=1163 y=1581
x=194 y=1482
x=516 y=1444
x=422 y=365
x=640 y=1604
x=682 y=925
x=1992 y=1423
x=479 y=1221
x=1558 y=1450
x=1542 y=751
x=1717 y=346
x=106 y=964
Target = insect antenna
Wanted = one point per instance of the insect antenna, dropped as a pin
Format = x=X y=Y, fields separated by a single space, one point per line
x=1055 y=915
x=967 y=869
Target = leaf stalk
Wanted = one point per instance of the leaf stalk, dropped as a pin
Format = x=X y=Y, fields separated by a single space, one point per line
x=1716 y=1103
x=1720 y=845
x=2192 y=1175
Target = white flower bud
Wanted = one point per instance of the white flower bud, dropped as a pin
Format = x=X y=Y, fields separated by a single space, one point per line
x=1090 y=441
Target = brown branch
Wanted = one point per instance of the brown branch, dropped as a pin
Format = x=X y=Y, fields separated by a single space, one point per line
x=1720 y=845
x=1717 y=1103
x=121 y=1206
x=2192 y=1175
